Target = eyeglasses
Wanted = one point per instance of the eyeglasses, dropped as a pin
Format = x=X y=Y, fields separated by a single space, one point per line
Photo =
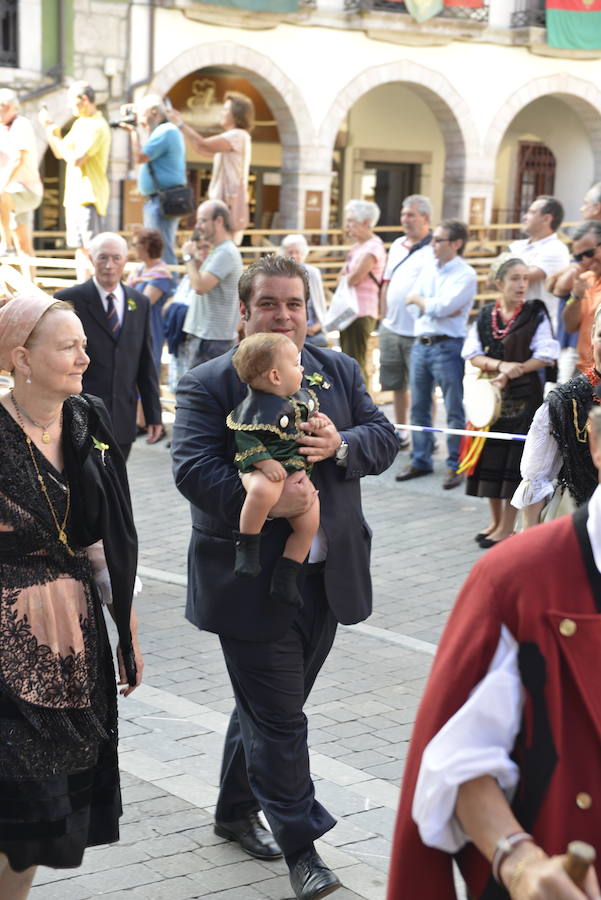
x=440 y=240
x=586 y=254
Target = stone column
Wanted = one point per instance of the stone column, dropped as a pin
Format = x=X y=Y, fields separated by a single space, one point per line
x=305 y=191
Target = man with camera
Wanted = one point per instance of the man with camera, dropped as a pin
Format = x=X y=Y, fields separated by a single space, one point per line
x=85 y=150
x=163 y=163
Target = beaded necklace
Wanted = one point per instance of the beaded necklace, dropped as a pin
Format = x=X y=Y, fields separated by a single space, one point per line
x=60 y=528
x=499 y=333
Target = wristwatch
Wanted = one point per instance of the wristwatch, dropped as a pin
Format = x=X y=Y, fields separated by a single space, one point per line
x=186 y=257
x=342 y=452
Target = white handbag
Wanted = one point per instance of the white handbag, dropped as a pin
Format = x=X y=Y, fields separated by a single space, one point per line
x=344 y=307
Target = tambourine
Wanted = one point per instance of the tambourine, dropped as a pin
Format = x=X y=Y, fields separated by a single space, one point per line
x=482 y=402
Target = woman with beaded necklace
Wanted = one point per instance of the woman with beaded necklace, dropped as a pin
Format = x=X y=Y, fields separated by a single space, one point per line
x=67 y=541
x=511 y=339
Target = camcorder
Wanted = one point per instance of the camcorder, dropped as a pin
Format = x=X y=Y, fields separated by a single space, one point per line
x=127 y=116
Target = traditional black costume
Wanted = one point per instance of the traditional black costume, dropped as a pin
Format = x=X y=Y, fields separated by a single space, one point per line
x=497 y=473
x=59 y=778
x=569 y=406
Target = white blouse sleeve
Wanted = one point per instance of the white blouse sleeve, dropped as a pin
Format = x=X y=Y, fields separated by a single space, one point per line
x=541 y=462
x=544 y=346
x=472 y=345
x=476 y=741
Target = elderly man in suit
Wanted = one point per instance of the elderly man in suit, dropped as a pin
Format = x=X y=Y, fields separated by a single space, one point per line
x=116 y=320
x=274 y=652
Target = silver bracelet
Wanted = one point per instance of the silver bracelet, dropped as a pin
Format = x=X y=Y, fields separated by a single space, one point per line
x=505 y=847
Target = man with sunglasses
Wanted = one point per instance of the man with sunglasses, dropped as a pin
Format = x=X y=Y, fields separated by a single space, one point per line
x=585 y=297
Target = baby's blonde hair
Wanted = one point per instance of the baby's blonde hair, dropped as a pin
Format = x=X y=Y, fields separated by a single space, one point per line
x=257 y=354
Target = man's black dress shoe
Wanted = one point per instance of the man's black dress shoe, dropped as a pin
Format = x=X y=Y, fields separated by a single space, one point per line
x=252 y=836
x=311 y=879
x=410 y=472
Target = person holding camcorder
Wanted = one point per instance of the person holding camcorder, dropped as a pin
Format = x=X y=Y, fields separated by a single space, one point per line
x=163 y=164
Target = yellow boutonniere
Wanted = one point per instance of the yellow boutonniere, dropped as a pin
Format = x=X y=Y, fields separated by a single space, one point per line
x=131 y=304
x=102 y=448
x=317 y=380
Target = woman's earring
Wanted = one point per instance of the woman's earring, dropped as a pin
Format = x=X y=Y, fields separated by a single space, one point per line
x=28 y=379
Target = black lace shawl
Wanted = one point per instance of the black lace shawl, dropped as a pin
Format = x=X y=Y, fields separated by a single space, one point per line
x=41 y=740
x=566 y=402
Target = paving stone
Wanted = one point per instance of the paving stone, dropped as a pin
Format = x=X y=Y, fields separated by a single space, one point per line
x=179 y=864
x=225 y=877
x=62 y=890
x=181 y=888
x=117 y=879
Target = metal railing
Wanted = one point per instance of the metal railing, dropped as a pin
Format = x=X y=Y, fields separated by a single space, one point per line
x=528 y=13
x=9 y=33
x=465 y=13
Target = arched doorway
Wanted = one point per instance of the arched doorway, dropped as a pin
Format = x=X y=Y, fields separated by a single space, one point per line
x=563 y=114
x=419 y=130
x=546 y=149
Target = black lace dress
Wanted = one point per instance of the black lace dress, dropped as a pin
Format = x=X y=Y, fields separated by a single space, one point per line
x=59 y=779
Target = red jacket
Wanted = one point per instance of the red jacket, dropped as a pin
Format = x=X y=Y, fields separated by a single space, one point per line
x=544 y=587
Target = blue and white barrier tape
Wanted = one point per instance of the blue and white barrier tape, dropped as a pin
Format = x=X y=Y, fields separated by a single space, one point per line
x=498 y=435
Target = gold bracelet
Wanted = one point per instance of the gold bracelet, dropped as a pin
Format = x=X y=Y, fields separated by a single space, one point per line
x=519 y=871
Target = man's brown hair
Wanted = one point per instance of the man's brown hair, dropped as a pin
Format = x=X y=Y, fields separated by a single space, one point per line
x=271 y=266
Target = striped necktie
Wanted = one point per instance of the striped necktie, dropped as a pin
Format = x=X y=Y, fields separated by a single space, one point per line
x=112 y=315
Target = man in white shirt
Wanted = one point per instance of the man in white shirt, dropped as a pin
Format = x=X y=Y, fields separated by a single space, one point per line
x=543 y=252
x=406 y=258
x=21 y=188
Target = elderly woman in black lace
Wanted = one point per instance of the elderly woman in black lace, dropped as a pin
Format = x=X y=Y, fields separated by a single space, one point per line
x=557 y=454
x=511 y=340
x=66 y=536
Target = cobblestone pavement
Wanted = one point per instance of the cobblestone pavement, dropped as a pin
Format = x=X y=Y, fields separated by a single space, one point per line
x=360 y=711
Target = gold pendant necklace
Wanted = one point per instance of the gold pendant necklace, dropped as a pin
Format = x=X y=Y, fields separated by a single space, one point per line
x=44 y=428
x=60 y=528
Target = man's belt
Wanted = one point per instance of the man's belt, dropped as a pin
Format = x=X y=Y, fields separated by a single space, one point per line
x=429 y=339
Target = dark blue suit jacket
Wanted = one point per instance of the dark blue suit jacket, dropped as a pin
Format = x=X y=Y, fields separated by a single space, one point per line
x=203 y=451
x=122 y=367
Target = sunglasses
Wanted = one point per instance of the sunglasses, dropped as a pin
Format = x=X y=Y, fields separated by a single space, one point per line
x=586 y=254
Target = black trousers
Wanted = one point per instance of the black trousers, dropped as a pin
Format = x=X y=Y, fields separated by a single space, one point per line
x=265 y=758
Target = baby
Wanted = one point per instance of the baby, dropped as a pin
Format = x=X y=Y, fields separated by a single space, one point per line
x=267 y=433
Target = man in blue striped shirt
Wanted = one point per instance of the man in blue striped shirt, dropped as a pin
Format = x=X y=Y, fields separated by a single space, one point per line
x=441 y=302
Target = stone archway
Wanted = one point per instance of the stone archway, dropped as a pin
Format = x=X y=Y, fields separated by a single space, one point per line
x=287 y=104
x=584 y=99
x=461 y=139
